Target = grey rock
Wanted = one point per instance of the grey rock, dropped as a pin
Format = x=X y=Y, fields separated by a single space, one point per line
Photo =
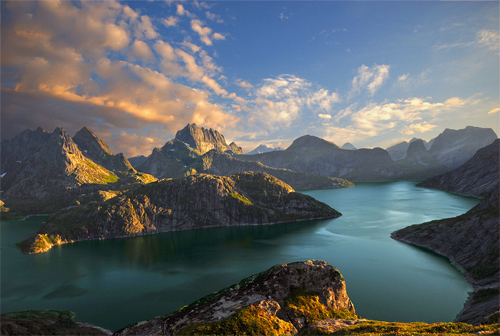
x=267 y=291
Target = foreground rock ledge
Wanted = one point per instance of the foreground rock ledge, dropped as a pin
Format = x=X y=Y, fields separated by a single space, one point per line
x=281 y=300
x=195 y=202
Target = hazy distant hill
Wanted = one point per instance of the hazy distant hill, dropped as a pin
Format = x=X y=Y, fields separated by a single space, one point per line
x=315 y=155
x=348 y=145
x=453 y=148
x=263 y=149
x=398 y=151
x=476 y=177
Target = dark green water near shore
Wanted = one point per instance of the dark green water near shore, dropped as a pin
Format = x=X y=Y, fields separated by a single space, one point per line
x=117 y=282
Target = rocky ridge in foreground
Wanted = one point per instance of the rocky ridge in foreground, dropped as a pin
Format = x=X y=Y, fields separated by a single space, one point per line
x=281 y=300
x=195 y=202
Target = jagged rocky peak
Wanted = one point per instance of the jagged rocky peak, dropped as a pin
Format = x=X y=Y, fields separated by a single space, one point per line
x=279 y=301
x=88 y=141
x=203 y=139
x=98 y=151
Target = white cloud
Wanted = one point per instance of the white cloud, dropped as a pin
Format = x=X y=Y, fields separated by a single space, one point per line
x=369 y=78
x=204 y=32
x=218 y=36
x=243 y=84
x=142 y=51
x=489 y=39
x=495 y=110
x=282 y=100
x=419 y=128
x=324 y=116
x=171 y=21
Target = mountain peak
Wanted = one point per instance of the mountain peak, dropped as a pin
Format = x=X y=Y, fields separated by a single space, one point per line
x=203 y=139
x=88 y=141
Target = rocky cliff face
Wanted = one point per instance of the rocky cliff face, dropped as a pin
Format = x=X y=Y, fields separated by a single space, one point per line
x=472 y=242
x=203 y=140
x=195 y=202
x=476 y=177
x=281 y=300
x=453 y=148
x=39 y=165
x=96 y=150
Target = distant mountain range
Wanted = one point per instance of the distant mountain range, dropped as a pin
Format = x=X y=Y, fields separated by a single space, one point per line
x=43 y=171
x=178 y=158
x=263 y=149
x=315 y=155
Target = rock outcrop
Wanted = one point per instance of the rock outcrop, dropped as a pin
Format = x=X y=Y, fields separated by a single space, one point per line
x=203 y=140
x=471 y=241
x=476 y=177
x=453 y=148
x=46 y=322
x=281 y=300
x=96 y=150
x=195 y=202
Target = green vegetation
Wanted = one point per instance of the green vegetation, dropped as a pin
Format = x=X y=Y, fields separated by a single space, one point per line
x=415 y=328
x=247 y=321
x=305 y=303
x=241 y=198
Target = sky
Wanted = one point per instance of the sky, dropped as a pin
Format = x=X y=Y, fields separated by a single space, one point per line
x=260 y=72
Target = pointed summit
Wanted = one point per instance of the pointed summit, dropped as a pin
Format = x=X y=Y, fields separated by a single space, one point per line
x=204 y=140
x=97 y=150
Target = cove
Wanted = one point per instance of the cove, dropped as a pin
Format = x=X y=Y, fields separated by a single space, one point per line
x=114 y=283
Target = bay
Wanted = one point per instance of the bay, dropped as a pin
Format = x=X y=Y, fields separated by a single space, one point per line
x=113 y=283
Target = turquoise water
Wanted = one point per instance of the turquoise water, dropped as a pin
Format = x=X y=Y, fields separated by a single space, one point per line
x=117 y=282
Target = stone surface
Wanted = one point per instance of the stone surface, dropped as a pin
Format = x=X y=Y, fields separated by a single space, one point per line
x=267 y=292
x=46 y=322
x=195 y=202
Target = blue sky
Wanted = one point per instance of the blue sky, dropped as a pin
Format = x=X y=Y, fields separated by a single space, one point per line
x=369 y=73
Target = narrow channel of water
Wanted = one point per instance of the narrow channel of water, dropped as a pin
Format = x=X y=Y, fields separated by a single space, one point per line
x=117 y=282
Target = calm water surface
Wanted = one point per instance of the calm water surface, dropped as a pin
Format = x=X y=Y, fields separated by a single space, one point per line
x=117 y=282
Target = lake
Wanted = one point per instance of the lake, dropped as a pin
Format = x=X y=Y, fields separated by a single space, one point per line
x=114 y=283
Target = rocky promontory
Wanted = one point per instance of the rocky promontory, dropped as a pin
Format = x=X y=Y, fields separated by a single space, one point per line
x=471 y=241
x=195 y=202
x=281 y=300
